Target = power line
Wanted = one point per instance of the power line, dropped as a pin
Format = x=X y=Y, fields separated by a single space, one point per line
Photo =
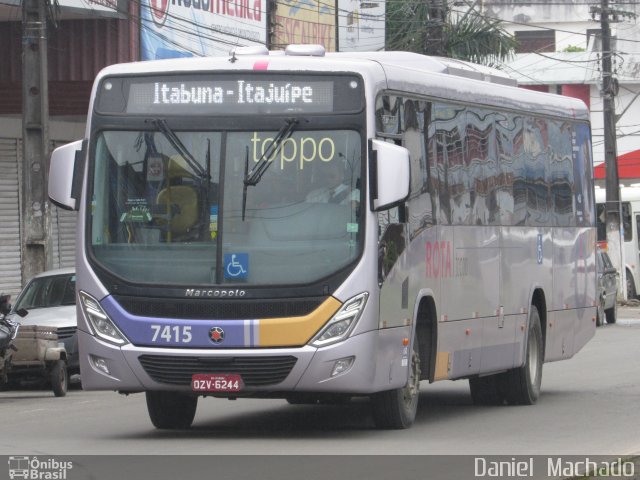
x=180 y=28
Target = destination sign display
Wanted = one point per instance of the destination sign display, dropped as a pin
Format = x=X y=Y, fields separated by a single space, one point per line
x=239 y=95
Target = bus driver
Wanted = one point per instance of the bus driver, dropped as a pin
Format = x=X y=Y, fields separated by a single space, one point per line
x=334 y=188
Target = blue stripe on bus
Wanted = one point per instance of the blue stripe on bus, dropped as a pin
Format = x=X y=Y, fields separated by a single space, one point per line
x=174 y=332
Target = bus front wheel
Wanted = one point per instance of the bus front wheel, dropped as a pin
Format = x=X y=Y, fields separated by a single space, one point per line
x=171 y=410
x=523 y=383
x=396 y=409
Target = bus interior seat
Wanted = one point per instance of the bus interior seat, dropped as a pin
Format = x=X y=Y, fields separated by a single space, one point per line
x=179 y=197
x=181 y=202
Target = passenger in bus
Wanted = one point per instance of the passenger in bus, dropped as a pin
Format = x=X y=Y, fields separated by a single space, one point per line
x=334 y=187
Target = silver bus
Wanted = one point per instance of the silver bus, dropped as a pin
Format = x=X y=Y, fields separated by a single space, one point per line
x=321 y=227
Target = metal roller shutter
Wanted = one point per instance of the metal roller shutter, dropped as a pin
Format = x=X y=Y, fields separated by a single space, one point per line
x=10 y=271
x=63 y=229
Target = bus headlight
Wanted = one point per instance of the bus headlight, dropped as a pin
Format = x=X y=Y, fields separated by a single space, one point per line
x=100 y=321
x=342 y=323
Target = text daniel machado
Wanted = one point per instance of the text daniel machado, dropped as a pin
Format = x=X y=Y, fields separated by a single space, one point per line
x=553 y=467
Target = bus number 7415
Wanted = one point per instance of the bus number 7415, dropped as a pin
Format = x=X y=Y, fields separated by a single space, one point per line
x=168 y=333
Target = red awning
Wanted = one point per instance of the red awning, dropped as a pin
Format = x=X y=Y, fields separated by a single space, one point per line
x=628 y=166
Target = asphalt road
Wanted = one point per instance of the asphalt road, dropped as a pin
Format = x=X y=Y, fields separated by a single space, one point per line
x=588 y=406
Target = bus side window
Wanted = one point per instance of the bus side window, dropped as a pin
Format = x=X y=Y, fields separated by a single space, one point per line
x=626 y=221
x=601 y=222
x=388 y=115
x=416 y=117
x=506 y=146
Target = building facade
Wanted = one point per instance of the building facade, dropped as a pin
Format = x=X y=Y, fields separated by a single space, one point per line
x=79 y=44
x=561 y=52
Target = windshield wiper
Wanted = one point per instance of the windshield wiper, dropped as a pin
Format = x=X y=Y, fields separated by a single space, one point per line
x=203 y=174
x=206 y=203
x=176 y=143
x=244 y=187
x=253 y=177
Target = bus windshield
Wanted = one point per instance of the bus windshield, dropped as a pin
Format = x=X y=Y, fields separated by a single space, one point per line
x=173 y=207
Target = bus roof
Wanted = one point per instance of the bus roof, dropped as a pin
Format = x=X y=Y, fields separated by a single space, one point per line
x=402 y=71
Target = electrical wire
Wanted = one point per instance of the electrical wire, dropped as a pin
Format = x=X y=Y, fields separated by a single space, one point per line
x=213 y=34
x=187 y=29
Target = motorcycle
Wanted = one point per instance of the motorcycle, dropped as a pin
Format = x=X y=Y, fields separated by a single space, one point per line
x=8 y=332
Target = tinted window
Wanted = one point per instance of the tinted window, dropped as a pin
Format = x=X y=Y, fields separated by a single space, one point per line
x=561 y=177
x=48 y=292
x=508 y=144
x=481 y=164
x=626 y=221
x=483 y=167
x=416 y=118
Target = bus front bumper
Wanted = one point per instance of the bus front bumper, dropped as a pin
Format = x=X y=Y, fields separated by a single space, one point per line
x=360 y=365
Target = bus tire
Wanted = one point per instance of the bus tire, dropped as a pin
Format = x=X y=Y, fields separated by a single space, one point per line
x=612 y=313
x=522 y=384
x=487 y=390
x=171 y=410
x=59 y=378
x=600 y=313
x=396 y=409
x=631 y=286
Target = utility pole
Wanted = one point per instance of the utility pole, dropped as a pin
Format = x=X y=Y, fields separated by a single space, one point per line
x=612 y=182
x=35 y=210
x=337 y=21
x=434 y=38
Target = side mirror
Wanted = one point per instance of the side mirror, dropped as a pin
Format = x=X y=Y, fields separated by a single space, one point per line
x=65 y=175
x=390 y=174
x=5 y=306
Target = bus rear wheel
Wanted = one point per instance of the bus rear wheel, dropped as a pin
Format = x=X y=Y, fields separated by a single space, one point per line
x=396 y=409
x=171 y=410
x=612 y=313
x=522 y=384
x=631 y=286
x=487 y=390
x=600 y=313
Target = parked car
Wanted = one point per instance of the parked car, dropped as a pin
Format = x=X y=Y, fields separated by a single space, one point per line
x=607 y=288
x=50 y=300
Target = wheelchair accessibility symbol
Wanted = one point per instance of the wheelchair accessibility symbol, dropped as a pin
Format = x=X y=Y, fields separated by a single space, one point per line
x=236 y=265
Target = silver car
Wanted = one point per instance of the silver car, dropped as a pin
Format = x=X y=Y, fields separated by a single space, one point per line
x=607 y=289
x=50 y=300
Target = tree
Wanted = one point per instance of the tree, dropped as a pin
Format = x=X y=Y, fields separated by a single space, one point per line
x=428 y=27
